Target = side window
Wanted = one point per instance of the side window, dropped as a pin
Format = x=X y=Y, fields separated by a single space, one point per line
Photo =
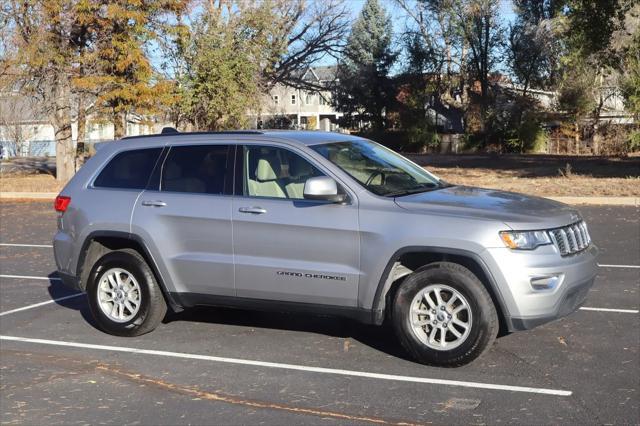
x=128 y=169
x=196 y=169
x=275 y=172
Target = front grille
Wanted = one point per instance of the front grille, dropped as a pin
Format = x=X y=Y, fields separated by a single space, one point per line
x=571 y=239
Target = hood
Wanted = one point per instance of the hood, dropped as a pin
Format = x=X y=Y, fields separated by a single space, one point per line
x=518 y=211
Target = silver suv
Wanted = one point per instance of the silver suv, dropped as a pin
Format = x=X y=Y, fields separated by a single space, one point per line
x=317 y=222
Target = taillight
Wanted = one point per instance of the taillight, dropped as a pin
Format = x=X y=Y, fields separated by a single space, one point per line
x=61 y=203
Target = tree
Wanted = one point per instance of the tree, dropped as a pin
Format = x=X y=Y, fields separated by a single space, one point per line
x=222 y=81
x=64 y=52
x=233 y=51
x=483 y=34
x=302 y=33
x=590 y=62
x=42 y=59
x=365 y=87
x=434 y=25
x=125 y=82
x=629 y=45
x=533 y=51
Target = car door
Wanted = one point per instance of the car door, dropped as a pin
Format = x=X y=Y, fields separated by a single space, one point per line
x=288 y=248
x=185 y=218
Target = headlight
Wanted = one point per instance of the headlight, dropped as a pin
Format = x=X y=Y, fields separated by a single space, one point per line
x=525 y=240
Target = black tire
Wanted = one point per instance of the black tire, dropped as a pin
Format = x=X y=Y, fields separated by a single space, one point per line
x=484 y=327
x=152 y=304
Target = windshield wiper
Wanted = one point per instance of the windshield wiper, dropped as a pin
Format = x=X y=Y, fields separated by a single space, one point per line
x=424 y=188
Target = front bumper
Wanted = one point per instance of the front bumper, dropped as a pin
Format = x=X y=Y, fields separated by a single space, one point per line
x=524 y=306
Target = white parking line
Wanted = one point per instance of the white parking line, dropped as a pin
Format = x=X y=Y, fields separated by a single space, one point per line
x=26 y=245
x=304 y=368
x=24 y=308
x=619 y=266
x=623 y=311
x=27 y=277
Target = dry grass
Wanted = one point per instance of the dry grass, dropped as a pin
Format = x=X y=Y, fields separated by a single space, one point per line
x=574 y=185
x=540 y=174
x=29 y=183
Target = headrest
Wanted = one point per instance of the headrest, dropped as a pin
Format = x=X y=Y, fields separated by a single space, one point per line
x=268 y=168
x=342 y=157
x=299 y=167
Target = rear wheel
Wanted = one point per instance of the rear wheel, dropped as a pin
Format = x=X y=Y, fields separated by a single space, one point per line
x=124 y=297
x=444 y=316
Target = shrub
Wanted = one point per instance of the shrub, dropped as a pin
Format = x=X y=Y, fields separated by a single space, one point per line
x=532 y=137
x=633 y=144
x=421 y=139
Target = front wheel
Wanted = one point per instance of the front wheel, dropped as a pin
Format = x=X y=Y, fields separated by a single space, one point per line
x=444 y=316
x=124 y=297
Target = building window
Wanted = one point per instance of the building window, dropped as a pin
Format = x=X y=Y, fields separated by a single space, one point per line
x=309 y=99
x=324 y=99
x=276 y=99
x=293 y=99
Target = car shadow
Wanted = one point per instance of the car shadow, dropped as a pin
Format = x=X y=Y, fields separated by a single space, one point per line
x=380 y=338
x=59 y=293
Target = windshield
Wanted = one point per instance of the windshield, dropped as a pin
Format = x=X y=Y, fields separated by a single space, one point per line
x=379 y=169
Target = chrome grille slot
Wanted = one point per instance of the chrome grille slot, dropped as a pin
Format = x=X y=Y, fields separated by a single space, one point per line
x=581 y=243
x=571 y=239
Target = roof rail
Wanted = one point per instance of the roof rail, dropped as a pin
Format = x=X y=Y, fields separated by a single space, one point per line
x=170 y=131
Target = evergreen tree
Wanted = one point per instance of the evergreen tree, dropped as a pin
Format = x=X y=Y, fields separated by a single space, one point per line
x=365 y=88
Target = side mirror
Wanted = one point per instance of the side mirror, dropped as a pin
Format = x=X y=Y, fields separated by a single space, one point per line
x=323 y=188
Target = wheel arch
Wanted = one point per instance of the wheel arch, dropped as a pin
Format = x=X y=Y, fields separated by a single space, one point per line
x=416 y=257
x=98 y=243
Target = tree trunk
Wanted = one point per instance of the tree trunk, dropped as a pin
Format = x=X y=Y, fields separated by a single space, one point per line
x=82 y=131
x=62 y=127
x=118 y=125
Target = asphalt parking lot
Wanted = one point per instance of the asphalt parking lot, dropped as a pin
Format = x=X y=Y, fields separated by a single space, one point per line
x=220 y=366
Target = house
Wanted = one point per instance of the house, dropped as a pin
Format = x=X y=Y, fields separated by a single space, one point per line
x=290 y=107
x=25 y=129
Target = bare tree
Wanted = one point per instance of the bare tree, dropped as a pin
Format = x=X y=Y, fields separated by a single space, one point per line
x=14 y=129
x=307 y=31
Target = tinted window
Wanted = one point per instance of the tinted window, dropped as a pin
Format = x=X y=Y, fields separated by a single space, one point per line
x=129 y=169
x=196 y=169
x=275 y=172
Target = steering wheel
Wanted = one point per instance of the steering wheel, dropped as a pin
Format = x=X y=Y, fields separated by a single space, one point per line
x=373 y=175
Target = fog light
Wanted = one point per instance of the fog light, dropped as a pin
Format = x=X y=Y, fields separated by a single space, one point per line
x=548 y=282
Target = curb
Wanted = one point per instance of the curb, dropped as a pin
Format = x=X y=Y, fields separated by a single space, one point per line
x=595 y=201
x=28 y=196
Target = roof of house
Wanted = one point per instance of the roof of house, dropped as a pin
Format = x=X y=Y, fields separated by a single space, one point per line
x=325 y=73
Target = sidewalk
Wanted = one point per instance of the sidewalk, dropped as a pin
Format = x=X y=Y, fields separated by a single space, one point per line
x=594 y=201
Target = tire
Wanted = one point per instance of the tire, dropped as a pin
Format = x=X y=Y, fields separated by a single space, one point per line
x=151 y=307
x=479 y=315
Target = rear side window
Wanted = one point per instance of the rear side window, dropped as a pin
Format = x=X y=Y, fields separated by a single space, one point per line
x=200 y=169
x=129 y=169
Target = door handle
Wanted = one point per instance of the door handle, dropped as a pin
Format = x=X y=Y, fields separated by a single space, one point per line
x=252 y=210
x=154 y=203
